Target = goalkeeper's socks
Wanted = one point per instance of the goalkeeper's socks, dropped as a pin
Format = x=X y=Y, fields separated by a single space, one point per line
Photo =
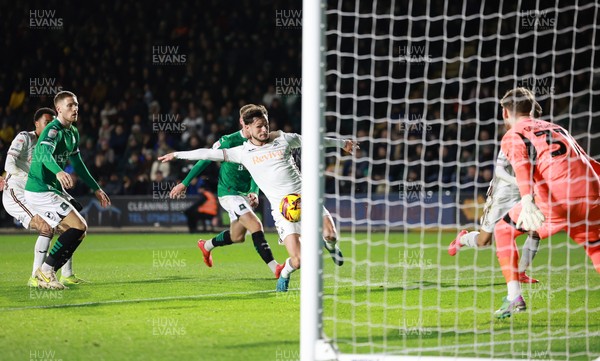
x=287 y=269
x=64 y=247
x=469 y=239
x=39 y=252
x=514 y=290
x=262 y=247
x=530 y=249
x=67 y=269
x=222 y=239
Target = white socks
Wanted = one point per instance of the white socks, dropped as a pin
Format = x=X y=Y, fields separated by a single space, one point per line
x=208 y=245
x=287 y=269
x=272 y=265
x=47 y=268
x=469 y=239
x=39 y=252
x=67 y=269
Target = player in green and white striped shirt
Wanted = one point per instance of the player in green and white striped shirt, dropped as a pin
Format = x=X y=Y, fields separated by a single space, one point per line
x=238 y=195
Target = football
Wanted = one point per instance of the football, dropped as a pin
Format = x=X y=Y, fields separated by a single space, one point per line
x=290 y=207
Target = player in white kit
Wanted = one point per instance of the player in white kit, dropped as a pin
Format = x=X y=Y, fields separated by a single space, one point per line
x=17 y=165
x=268 y=158
x=502 y=195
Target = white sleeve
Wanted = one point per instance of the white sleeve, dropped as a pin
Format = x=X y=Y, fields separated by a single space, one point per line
x=205 y=154
x=505 y=176
x=18 y=144
x=233 y=155
x=293 y=139
x=334 y=142
x=10 y=165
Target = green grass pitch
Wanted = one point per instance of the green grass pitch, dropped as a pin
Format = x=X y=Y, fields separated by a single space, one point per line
x=152 y=298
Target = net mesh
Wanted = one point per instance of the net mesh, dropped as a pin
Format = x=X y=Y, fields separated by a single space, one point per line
x=418 y=84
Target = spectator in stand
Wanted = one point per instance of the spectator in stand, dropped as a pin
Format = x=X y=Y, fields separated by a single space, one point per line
x=204 y=210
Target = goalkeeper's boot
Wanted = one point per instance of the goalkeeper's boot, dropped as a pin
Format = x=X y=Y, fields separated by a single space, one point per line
x=278 y=270
x=206 y=254
x=523 y=278
x=71 y=280
x=283 y=284
x=510 y=307
x=32 y=282
x=335 y=252
x=455 y=245
x=48 y=280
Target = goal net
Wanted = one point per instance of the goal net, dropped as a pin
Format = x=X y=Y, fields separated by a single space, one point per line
x=418 y=84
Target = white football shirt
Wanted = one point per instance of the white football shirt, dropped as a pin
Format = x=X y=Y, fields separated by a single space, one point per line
x=504 y=183
x=271 y=165
x=19 y=159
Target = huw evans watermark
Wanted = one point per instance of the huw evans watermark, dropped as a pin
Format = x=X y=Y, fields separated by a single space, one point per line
x=168 y=123
x=44 y=19
x=538 y=86
x=288 y=86
x=44 y=86
x=168 y=55
x=288 y=19
x=537 y=20
x=413 y=54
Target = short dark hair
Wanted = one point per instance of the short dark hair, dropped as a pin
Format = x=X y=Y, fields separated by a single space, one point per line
x=521 y=101
x=63 y=94
x=251 y=111
x=40 y=112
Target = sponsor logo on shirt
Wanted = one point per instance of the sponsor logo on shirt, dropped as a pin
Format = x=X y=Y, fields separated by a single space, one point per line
x=52 y=133
x=274 y=154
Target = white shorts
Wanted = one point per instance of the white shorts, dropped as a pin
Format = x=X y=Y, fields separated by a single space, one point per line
x=495 y=208
x=285 y=227
x=15 y=204
x=50 y=206
x=235 y=206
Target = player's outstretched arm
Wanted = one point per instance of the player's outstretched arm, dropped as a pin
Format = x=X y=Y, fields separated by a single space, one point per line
x=206 y=154
x=346 y=144
x=1 y=183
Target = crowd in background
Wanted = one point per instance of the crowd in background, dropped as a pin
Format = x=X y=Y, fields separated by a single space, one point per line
x=153 y=79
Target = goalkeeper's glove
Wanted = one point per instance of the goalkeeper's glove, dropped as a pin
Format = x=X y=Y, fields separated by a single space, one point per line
x=531 y=218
